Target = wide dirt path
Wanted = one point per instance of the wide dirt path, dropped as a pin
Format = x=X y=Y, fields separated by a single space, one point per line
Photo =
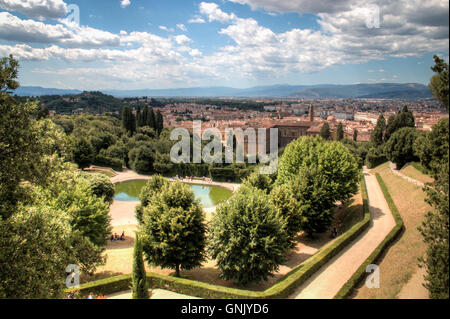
x=326 y=283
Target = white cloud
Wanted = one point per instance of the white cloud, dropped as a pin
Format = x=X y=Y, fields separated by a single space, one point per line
x=36 y=8
x=125 y=3
x=214 y=13
x=300 y=6
x=13 y=28
x=197 y=19
x=182 y=27
x=182 y=39
x=164 y=28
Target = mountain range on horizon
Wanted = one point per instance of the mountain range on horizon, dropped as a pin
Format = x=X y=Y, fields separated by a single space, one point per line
x=378 y=90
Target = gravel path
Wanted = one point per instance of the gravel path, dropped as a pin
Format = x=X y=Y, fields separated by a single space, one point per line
x=326 y=282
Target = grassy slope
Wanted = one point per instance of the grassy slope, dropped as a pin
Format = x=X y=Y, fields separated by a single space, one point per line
x=400 y=260
x=412 y=172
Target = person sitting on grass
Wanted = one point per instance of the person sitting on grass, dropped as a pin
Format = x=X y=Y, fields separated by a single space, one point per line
x=122 y=237
x=91 y=296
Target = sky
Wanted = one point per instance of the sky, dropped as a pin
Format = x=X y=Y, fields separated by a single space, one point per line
x=147 y=44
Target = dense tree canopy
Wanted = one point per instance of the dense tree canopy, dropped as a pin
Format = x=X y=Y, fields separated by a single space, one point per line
x=439 y=85
x=173 y=229
x=248 y=237
x=399 y=148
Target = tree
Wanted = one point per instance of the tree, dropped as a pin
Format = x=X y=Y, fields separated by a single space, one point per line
x=376 y=138
x=173 y=229
x=101 y=186
x=159 y=125
x=284 y=200
x=355 y=135
x=340 y=132
x=139 y=278
x=337 y=164
x=435 y=231
x=259 y=181
x=150 y=189
x=88 y=213
x=128 y=120
x=83 y=153
x=144 y=117
x=325 y=131
x=403 y=119
x=400 y=147
x=432 y=147
x=248 y=237
x=32 y=266
x=314 y=203
x=142 y=159
x=151 y=120
x=439 y=83
x=139 y=117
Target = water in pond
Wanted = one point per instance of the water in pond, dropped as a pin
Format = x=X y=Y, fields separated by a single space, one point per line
x=209 y=196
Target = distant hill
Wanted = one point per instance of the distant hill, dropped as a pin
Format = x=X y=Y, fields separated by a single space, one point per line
x=379 y=90
x=39 y=91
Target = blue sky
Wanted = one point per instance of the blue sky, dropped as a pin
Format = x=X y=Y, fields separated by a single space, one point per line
x=137 y=44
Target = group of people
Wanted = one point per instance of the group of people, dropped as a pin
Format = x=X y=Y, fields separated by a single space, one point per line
x=116 y=237
x=191 y=178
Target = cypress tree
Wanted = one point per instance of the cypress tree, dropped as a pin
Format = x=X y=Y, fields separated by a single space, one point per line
x=151 y=120
x=144 y=116
x=139 y=278
x=138 y=117
x=325 y=131
x=355 y=135
x=159 y=125
x=340 y=132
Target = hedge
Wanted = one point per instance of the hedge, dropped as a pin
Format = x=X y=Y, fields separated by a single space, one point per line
x=385 y=244
x=104 y=161
x=283 y=288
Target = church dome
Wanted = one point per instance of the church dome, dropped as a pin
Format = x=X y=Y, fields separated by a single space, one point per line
x=331 y=118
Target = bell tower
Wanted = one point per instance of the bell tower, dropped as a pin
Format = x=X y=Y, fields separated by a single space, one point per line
x=311 y=113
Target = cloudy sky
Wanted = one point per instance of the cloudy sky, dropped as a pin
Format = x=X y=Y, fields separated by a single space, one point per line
x=137 y=44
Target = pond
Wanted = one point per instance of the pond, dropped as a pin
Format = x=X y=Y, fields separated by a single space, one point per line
x=209 y=196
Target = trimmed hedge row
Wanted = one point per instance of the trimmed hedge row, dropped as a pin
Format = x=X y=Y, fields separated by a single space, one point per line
x=361 y=272
x=281 y=289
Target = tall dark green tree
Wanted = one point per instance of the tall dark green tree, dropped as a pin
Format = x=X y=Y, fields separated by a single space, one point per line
x=83 y=153
x=340 y=132
x=151 y=119
x=404 y=118
x=144 y=117
x=325 y=131
x=128 y=120
x=376 y=138
x=139 y=278
x=439 y=83
x=138 y=117
x=355 y=135
x=400 y=147
x=159 y=125
x=435 y=227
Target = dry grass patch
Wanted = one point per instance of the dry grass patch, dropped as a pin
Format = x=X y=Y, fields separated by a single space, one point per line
x=400 y=262
x=412 y=172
